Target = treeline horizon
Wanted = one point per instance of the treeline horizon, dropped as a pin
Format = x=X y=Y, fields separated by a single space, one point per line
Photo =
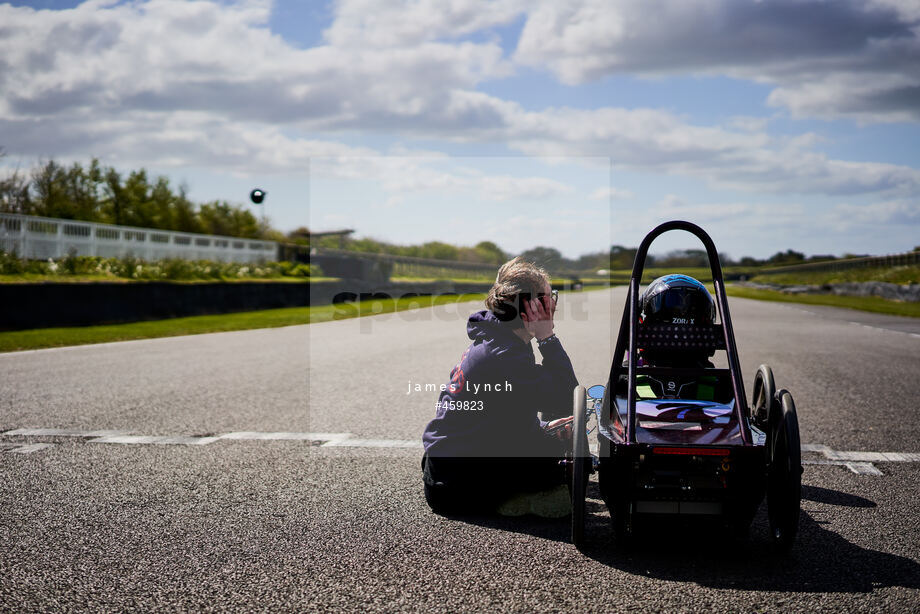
x=102 y=194
x=618 y=258
x=95 y=193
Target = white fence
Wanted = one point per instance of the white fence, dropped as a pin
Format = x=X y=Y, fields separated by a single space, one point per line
x=40 y=238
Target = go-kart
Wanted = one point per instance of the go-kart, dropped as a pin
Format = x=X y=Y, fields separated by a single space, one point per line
x=664 y=459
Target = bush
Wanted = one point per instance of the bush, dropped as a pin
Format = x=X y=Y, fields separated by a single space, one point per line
x=173 y=269
x=71 y=264
x=10 y=264
x=292 y=269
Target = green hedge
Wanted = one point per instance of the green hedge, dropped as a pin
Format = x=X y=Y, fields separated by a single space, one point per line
x=135 y=268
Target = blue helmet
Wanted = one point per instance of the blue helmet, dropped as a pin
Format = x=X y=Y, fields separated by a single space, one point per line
x=676 y=299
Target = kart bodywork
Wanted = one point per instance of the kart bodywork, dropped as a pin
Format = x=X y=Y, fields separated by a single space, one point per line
x=663 y=459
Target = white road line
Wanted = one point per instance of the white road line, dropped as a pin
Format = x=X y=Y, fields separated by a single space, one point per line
x=372 y=443
x=856 y=461
x=863 y=468
x=63 y=433
x=255 y=435
x=68 y=348
x=884 y=457
x=858 y=468
x=890 y=330
x=153 y=439
x=124 y=438
x=820 y=315
x=814 y=447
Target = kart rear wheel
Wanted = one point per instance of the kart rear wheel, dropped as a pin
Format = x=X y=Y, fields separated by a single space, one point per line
x=784 y=479
x=622 y=525
x=763 y=397
x=580 y=459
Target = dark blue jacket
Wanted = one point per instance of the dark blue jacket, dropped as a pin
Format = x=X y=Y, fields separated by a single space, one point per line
x=490 y=405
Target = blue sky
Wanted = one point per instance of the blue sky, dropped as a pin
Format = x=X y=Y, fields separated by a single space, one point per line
x=573 y=124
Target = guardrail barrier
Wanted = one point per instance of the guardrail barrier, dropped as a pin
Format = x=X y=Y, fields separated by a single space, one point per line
x=40 y=238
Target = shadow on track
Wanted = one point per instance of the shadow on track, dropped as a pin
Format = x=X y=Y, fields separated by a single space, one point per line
x=834 y=497
x=820 y=562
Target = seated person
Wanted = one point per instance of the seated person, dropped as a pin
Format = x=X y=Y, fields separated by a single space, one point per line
x=486 y=443
x=677 y=300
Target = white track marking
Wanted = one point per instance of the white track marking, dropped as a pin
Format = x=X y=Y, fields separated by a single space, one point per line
x=884 y=457
x=255 y=435
x=890 y=330
x=153 y=439
x=863 y=468
x=794 y=307
x=858 y=462
x=64 y=433
x=373 y=443
x=857 y=468
x=123 y=438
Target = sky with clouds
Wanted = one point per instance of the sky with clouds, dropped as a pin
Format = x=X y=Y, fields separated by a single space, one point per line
x=575 y=124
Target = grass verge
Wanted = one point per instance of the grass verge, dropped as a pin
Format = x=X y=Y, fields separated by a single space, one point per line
x=894 y=275
x=862 y=303
x=31 y=278
x=34 y=339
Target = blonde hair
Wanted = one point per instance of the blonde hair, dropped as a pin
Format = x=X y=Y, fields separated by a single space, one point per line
x=517 y=276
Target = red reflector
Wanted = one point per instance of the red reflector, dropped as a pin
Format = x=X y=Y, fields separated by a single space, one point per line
x=693 y=451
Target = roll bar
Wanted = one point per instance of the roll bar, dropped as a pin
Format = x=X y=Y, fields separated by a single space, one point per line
x=629 y=324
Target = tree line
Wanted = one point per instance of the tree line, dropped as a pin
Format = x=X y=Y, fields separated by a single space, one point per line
x=484 y=252
x=95 y=193
x=617 y=258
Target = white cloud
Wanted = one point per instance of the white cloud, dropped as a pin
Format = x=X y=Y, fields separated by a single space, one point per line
x=527 y=188
x=646 y=139
x=171 y=55
x=172 y=83
x=845 y=216
x=841 y=58
x=530 y=224
x=609 y=193
x=394 y=23
x=403 y=176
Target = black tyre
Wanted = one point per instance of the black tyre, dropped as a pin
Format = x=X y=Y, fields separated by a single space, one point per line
x=622 y=524
x=784 y=479
x=763 y=397
x=580 y=458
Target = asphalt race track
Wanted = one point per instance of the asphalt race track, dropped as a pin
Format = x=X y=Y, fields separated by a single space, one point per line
x=278 y=469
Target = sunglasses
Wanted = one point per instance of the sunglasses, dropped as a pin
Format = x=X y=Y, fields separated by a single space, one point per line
x=553 y=293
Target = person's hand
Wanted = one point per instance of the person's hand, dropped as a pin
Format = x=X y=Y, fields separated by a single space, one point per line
x=561 y=428
x=539 y=316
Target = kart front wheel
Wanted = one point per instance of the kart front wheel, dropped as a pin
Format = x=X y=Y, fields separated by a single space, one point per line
x=579 y=469
x=784 y=479
x=764 y=395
